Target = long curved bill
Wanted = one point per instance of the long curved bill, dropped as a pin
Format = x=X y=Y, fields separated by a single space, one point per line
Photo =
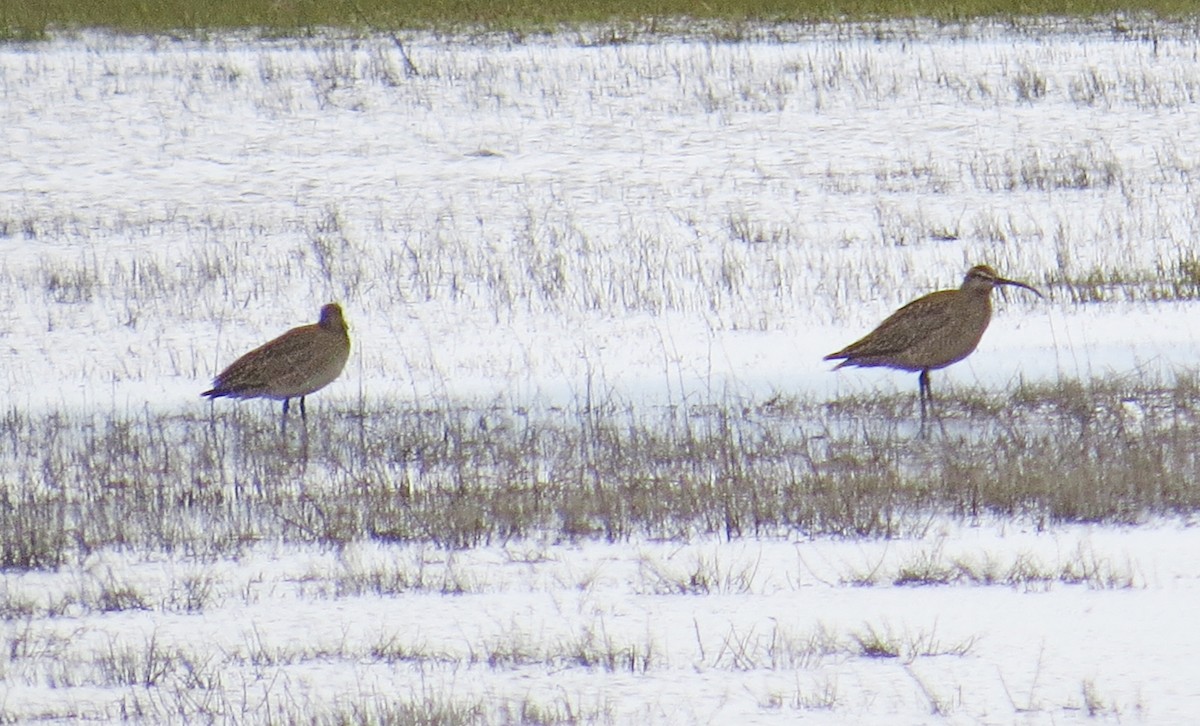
x=1014 y=283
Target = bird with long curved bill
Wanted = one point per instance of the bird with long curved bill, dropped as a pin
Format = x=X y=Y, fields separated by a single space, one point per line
x=300 y=362
x=930 y=332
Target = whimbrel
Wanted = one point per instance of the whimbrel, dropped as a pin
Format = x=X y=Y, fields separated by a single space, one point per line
x=930 y=332
x=301 y=361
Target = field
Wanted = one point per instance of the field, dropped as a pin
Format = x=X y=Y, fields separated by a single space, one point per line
x=586 y=464
x=730 y=19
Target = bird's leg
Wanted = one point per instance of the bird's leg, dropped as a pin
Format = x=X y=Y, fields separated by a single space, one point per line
x=286 y=401
x=925 y=393
x=303 y=415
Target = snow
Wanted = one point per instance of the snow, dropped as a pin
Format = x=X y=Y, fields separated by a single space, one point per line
x=776 y=624
x=656 y=222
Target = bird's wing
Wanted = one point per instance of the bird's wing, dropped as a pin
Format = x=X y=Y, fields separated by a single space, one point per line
x=903 y=329
x=258 y=368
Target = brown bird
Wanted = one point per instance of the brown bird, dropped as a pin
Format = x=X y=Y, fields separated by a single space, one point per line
x=930 y=332
x=301 y=361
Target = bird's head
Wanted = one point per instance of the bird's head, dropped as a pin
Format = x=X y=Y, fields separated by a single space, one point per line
x=983 y=278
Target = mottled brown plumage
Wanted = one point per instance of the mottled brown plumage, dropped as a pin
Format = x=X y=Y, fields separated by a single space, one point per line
x=930 y=332
x=299 y=362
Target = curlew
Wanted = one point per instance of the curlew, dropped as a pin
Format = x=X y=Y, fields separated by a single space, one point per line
x=930 y=332
x=301 y=361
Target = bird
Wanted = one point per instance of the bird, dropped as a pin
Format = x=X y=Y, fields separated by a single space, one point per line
x=931 y=332
x=301 y=361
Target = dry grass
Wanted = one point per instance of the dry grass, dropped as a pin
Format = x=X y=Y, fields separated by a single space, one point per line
x=460 y=477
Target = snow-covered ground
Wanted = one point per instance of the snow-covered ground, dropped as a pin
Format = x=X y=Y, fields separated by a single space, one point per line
x=529 y=223
x=1080 y=622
